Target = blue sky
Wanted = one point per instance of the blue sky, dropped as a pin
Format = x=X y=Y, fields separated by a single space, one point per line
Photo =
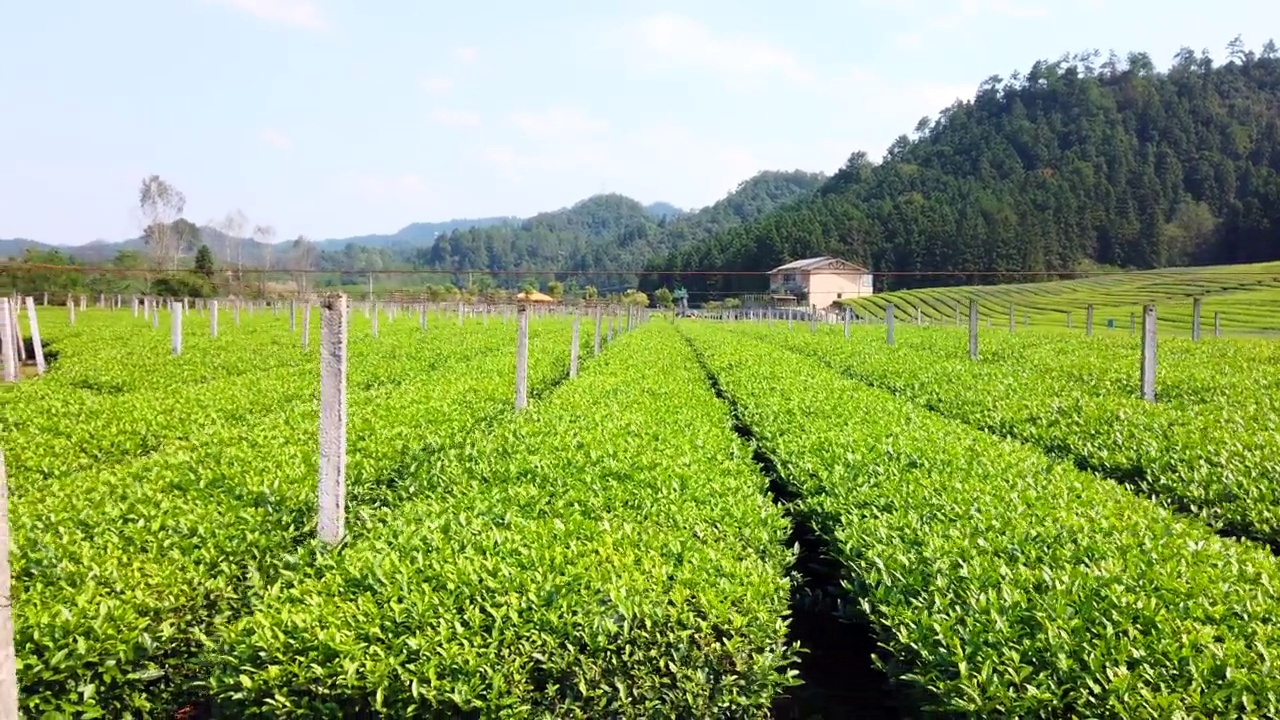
x=336 y=117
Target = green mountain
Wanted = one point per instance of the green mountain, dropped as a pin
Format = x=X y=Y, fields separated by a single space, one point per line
x=605 y=239
x=1081 y=161
x=413 y=235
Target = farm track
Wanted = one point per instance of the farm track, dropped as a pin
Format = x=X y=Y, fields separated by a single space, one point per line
x=837 y=668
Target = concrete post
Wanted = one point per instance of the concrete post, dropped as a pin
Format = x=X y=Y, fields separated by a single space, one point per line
x=573 y=349
x=8 y=657
x=331 y=521
x=175 y=327
x=1149 y=353
x=522 y=357
x=7 y=351
x=36 y=345
x=973 y=329
x=888 y=321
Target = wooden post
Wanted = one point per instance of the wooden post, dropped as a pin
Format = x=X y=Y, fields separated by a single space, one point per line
x=1088 y=320
x=8 y=657
x=306 y=326
x=36 y=346
x=1217 y=324
x=522 y=357
x=331 y=521
x=10 y=356
x=1195 y=319
x=293 y=315
x=1149 y=353
x=973 y=329
x=573 y=349
x=175 y=327
x=888 y=322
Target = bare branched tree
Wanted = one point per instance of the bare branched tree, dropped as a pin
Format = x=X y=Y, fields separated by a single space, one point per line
x=186 y=238
x=304 y=258
x=264 y=234
x=161 y=205
x=231 y=227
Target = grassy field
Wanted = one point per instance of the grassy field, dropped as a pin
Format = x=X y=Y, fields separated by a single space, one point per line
x=1247 y=297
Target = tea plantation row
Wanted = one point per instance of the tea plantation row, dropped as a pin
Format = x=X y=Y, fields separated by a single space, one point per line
x=1003 y=583
x=1208 y=447
x=614 y=550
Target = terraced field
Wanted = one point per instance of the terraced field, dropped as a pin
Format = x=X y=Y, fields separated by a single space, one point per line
x=1247 y=297
x=710 y=520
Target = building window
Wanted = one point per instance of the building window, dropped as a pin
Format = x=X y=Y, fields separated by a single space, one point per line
x=839 y=295
x=789 y=277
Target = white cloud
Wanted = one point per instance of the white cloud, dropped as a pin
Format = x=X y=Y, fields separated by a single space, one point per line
x=298 y=13
x=394 y=188
x=535 y=163
x=455 y=118
x=558 y=122
x=872 y=92
x=1002 y=8
x=909 y=40
x=437 y=84
x=276 y=139
x=679 y=42
x=466 y=53
x=952 y=15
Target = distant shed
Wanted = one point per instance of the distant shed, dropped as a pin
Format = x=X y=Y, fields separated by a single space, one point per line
x=821 y=281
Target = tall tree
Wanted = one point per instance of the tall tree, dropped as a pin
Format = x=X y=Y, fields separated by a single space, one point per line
x=204 y=262
x=161 y=204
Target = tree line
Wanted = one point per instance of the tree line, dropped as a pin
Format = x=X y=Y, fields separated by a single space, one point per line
x=1082 y=162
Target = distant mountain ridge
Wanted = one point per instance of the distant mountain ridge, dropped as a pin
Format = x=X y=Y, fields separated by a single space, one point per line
x=603 y=240
x=414 y=235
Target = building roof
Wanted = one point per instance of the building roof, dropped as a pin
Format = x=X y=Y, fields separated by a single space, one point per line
x=814 y=263
x=534 y=296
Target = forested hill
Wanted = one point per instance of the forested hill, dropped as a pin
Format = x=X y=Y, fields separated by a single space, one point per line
x=609 y=233
x=1080 y=161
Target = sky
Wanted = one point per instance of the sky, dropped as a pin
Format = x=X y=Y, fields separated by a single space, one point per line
x=332 y=118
